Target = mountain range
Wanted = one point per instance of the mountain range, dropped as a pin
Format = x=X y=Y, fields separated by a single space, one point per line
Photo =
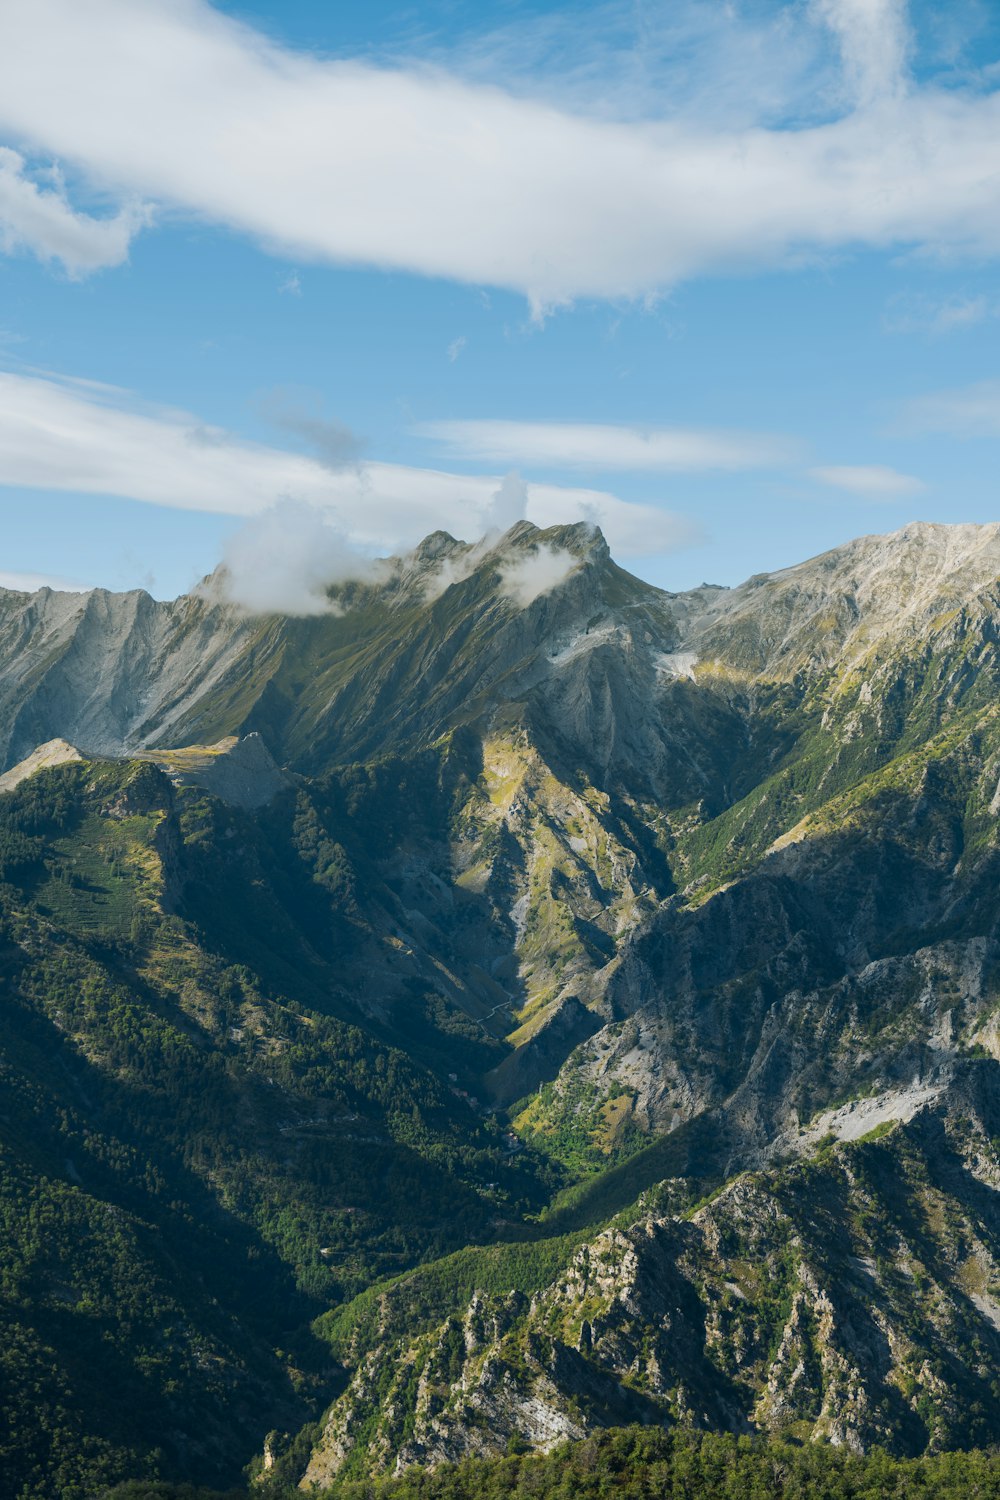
x=515 y=1002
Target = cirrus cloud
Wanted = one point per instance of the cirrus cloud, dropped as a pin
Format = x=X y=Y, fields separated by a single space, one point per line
x=873 y=481
x=907 y=313
x=968 y=411
x=601 y=445
x=58 y=434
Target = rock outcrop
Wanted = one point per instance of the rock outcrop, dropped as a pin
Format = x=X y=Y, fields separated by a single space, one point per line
x=53 y=753
x=853 y=1297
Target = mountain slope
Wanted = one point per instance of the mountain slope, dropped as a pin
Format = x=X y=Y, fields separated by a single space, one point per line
x=197 y=1149
x=449 y=924
x=852 y=1297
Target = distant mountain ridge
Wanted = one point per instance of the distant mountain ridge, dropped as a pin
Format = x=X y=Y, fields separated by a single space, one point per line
x=407 y=656
x=628 y=753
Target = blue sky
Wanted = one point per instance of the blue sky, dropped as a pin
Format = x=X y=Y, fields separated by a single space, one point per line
x=722 y=277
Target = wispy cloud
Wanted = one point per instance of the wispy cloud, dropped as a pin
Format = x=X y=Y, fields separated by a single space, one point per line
x=872 y=481
x=30 y=583
x=300 y=413
x=909 y=313
x=874 y=43
x=417 y=168
x=969 y=411
x=456 y=346
x=730 y=64
x=290 y=285
x=604 y=446
x=527 y=576
x=36 y=216
x=83 y=437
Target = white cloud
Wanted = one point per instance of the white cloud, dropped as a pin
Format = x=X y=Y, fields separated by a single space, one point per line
x=291 y=285
x=452 y=570
x=30 y=583
x=41 y=220
x=456 y=346
x=526 y=577
x=411 y=167
x=874 y=44
x=729 y=63
x=283 y=560
x=508 y=506
x=970 y=411
x=83 y=437
x=873 y=481
x=595 y=445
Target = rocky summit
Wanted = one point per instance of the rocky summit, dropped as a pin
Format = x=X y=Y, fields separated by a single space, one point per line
x=513 y=1003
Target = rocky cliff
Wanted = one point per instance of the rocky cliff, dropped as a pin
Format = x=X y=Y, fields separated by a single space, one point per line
x=851 y=1296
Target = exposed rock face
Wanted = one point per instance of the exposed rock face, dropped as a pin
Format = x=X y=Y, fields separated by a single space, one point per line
x=853 y=1297
x=692 y=699
x=110 y=672
x=241 y=772
x=846 y=607
x=53 y=753
x=820 y=755
x=646 y=690
x=754 y=1008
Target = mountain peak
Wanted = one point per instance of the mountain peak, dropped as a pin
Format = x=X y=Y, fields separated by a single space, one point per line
x=924 y=547
x=883 y=588
x=437 y=545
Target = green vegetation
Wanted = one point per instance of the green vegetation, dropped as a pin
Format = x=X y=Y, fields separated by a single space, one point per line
x=688 y=1152
x=635 y=1464
x=579 y=1128
x=425 y=1297
x=198 y=1151
x=640 y=1464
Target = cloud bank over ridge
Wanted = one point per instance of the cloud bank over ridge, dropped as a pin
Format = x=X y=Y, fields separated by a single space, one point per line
x=78 y=436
